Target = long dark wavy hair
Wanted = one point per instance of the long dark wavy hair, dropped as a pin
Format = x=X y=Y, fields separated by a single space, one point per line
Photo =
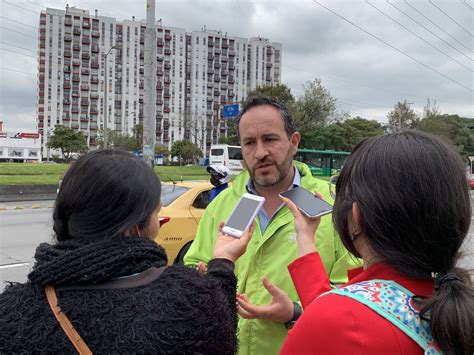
x=412 y=192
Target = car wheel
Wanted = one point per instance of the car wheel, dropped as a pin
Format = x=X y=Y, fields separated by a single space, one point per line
x=182 y=253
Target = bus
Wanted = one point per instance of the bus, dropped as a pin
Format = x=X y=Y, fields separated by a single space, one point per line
x=227 y=155
x=322 y=162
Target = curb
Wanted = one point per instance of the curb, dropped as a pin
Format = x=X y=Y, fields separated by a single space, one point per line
x=31 y=207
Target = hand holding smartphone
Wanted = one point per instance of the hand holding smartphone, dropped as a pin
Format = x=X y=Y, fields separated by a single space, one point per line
x=243 y=215
x=309 y=204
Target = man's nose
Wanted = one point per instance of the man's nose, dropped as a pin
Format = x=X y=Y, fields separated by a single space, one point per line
x=261 y=152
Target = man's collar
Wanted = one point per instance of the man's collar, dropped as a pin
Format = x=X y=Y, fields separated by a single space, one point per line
x=296 y=182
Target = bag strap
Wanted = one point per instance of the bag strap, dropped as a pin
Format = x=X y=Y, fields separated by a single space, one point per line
x=141 y=279
x=65 y=323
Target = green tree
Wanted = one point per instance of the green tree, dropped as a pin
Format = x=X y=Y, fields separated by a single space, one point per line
x=162 y=149
x=451 y=128
x=186 y=151
x=402 y=116
x=315 y=107
x=67 y=141
x=278 y=92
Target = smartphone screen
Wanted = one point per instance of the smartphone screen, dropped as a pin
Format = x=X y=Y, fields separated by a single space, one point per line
x=309 y=204
x=242 y=214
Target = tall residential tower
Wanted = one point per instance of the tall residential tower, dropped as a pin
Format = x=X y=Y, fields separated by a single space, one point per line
x=197 y=73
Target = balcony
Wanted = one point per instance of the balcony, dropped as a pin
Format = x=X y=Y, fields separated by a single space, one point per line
x=269 y=51
x=76 y=62
x=75 y=93
x=94 y=95
x=230 y=93
x=166 y=109
x=167 y=37
x=224 y=59
x=268 y=65
x=86 y=40
x=84 y=118
x=224 y=72
x=167 y=81
x=76 y=78
x=66 y=101
x=95 y=34
x=166 y=94
x=160 y=58
x=66 y=117
x=209 y=98
x=159 y=42
x=94 y=80
x=76 y=47
x=217 y=65
x=210 y=85
x=66 y=85
x=84 y=102
x=217 y=51
x=231 y=80
x=217 y=92
x=67 y=54
x=225 y=45
x=76 y=30
x=167 y=51
x=95 y=49
x=67 y=69
x=210 y=71
x=231 y=66
x=75 y=109
x=67 y=22
x=231 y=53
x=95 y=64
x=86 y=55
x=86 y=24
x=217 y=78
x=67 y=38
x=210 y=43
x=159 y=102
x=209 y=112
x=93 y=110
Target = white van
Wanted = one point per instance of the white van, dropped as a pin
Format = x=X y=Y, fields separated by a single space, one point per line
x=227 y=155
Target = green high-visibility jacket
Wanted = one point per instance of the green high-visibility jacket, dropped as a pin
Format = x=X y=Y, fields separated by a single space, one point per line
x=269 y=254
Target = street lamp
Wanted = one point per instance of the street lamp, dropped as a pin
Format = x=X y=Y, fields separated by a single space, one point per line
x=106 y=103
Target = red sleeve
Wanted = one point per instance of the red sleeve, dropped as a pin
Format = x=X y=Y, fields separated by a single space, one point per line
x=309 y=277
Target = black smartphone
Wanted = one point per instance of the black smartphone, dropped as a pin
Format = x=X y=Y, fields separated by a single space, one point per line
x=309 y=204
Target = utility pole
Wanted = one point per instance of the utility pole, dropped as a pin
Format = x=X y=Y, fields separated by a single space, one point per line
x=106 y=102
x=149 y=99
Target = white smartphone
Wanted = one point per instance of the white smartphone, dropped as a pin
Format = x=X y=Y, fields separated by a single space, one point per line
x=309 y=204
x=243 y=215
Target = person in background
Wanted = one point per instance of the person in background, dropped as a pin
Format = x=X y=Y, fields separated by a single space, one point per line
x=220 y=178
x=403 y=206
x=103 y=287
x=269 y=142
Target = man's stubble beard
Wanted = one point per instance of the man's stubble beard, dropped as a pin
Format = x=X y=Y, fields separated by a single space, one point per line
x=282 y=172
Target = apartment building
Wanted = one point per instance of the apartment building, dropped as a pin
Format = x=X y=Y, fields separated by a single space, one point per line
x=197 y=73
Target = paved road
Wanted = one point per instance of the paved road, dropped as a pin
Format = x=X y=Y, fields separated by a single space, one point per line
x=22 y=230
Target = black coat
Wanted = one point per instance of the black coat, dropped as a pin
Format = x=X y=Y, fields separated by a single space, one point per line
x=183 y=311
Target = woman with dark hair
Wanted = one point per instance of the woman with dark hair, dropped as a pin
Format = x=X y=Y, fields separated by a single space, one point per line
x=103 y=286
x=402 y=205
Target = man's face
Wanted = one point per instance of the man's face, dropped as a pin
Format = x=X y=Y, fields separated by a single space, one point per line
x=266 y=148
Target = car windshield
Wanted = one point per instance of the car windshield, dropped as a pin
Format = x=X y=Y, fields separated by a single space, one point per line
x=169 y=193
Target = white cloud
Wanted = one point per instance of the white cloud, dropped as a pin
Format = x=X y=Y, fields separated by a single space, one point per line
x=367 y=76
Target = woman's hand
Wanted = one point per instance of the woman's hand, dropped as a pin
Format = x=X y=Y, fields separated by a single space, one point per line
x=280 y=308
x=305 y=228
x=232 y=248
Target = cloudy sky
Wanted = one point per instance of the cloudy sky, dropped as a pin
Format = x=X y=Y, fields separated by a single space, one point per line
x=368 y=54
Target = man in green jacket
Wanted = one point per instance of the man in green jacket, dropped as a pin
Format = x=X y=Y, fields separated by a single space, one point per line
x=269 y=142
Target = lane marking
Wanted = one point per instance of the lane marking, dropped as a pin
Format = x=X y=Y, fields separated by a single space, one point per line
x=7 y=266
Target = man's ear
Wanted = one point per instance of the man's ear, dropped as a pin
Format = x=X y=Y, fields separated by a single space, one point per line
x=295 y=141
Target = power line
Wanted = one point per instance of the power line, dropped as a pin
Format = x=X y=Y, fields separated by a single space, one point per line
x=427 y=29
x=354 y=83
x=457 y=23
x=21 y=23
x=17 y=71
x=421 y=38
x=23 y=8
x=435 y=24
x=467 y=4
x=12 y=45
x=9 y=50
x=22 y=33
x=395 y=48
x=361 y=103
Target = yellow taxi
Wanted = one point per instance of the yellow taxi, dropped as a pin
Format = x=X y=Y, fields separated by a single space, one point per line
x=183 y=204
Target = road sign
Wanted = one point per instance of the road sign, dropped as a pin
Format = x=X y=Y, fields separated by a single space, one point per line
x=230 y=111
